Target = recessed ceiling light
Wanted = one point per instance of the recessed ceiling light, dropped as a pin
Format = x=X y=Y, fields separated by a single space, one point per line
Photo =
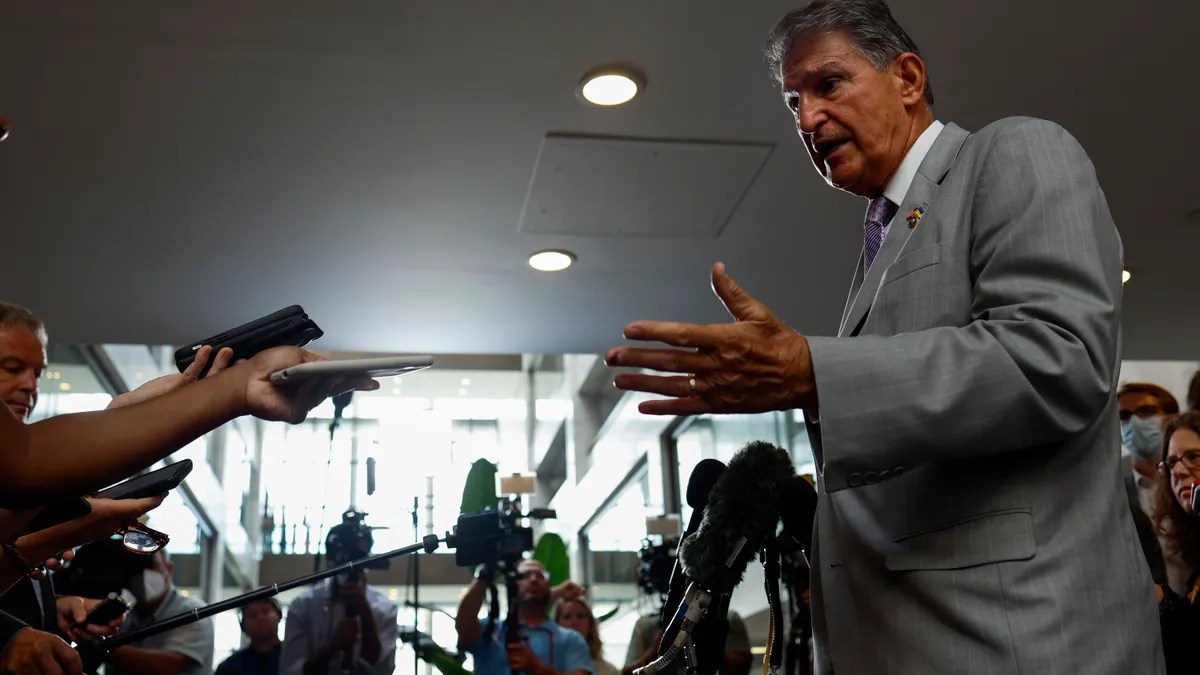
x=462 y=392
x=466 y=382
x=611 y=85
x=64 y=386
x=1125 y=275
x=551 y=261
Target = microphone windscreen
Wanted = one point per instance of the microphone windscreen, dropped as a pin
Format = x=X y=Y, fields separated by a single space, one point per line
x=799 y=511
x=743 y=510
x=702 y=480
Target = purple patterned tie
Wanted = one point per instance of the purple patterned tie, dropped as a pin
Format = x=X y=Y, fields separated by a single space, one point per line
x=879 y=214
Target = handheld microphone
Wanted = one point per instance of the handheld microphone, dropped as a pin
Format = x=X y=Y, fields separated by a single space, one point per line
x=1195 y=499
x=743 y=510
x=700 y=484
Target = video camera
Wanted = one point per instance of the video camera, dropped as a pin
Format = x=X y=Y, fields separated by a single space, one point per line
x=654 y=573
x=351 y=540
x=494 y=535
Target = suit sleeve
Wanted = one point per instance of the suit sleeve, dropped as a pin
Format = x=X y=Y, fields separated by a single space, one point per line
x=1034 y=365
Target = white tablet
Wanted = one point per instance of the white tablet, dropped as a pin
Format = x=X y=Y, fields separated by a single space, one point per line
x=388 y=366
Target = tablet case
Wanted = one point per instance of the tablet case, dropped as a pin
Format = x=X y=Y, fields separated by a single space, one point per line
x=287 y=327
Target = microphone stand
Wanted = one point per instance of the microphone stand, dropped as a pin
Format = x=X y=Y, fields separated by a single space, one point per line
x=95 y=651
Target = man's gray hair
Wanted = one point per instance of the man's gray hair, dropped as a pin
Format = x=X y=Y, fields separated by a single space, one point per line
x=15 y=316
x=870 y=25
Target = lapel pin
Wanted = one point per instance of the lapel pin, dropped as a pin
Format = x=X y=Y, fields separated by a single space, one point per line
x=914 y=216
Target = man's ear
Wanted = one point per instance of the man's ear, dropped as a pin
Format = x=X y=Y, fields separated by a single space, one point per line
x=910 y=69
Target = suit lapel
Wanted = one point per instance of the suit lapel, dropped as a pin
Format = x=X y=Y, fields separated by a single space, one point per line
x=934 y=167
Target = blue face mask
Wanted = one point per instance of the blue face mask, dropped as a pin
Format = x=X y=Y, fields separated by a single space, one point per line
x=1143 y=437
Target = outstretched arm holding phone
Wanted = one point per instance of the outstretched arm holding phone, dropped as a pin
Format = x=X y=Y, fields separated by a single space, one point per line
x=76 y=454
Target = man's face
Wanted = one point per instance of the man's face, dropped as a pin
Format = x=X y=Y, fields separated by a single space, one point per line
x=532 y=585
x=852 y=118
x=1138 y=404
x=259 y=621
x=22 y=360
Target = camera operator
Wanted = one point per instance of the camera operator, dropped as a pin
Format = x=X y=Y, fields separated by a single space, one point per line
x=260 y=623
x=1179 y=525
x=187 y=650
x=546 y=648
x=342 y=625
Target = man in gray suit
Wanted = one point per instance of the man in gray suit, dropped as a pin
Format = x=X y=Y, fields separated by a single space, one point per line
x=972 y=517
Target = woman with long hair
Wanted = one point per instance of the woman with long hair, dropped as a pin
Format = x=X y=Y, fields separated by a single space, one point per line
x=577 y=615
x=1178 y=524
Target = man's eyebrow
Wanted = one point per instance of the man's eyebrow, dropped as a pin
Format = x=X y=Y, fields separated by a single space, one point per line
x=822 y=69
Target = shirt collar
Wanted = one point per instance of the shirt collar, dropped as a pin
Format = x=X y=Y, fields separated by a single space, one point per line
x=898 y=186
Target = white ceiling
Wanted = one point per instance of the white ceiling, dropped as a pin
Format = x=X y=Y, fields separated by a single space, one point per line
x=175 y=169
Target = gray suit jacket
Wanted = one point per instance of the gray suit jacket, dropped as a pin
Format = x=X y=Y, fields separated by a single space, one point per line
x=972 y=517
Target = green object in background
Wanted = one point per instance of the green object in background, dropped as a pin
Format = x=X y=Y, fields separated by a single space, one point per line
x=448 y=666
x=552 y=553
x=609 y=614
x=479 y=492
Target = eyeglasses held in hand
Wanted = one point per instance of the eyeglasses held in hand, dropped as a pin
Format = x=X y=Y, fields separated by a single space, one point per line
x=140 y=539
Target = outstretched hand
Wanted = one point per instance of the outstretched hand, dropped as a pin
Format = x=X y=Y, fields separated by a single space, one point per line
x=756 y=364
x=290 y=404
x=161 y=385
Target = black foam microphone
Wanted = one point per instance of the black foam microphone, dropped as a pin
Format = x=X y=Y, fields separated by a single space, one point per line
x=743 y=510
x=700 y=483
x=799 y=511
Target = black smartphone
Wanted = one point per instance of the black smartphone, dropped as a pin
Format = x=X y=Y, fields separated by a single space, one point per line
x=57 y=514
x=290 y=327
x=113 y=608
x=154 y=483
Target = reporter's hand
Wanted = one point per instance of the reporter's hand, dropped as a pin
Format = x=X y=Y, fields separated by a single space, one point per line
x=161 y=385
x=32 y=652
x=107 y=516
x=567 y=590
x=345 y=636
x=354 y=596
x=521 y=658
x=53 y=564
x=72 y=613
x=292 y=403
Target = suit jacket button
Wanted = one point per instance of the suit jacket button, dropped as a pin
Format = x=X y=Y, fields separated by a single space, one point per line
x=870 y=478
x=883 y=475
x=855 y=479
x=897 y=471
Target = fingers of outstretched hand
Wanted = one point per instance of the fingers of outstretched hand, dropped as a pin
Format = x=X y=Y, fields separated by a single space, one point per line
x=192 y=372
x=221 y=362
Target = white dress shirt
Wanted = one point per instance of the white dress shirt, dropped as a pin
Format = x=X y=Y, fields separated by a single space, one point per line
x=897 y=186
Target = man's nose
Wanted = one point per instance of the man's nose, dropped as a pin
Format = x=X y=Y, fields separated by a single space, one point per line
x=810 y=114
x=29 y=382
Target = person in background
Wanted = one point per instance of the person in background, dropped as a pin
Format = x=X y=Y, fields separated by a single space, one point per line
x=546 y=648
x=1143 y=408
x=342 y=624
x=260 y=624
x=643 y=647
x=187 y=650
x=1177 y=522
x=577 y=615
x=1193 y=392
